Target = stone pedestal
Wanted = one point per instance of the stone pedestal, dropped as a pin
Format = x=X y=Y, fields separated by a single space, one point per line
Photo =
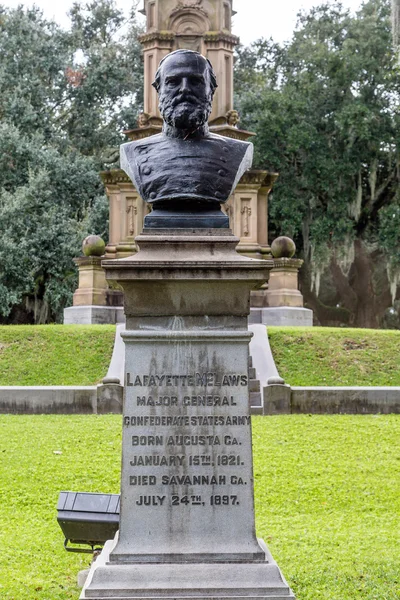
x=283 y=283
x=93 y=315
x=92 y=287
x=281 y=303
x=93 y=303
x=187 y=503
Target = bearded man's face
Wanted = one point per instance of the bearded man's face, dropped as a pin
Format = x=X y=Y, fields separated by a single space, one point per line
x=185 y=93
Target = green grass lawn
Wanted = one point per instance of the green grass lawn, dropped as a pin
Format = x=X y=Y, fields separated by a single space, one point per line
x=80 y=355
x=327 y=500
x=335 y=356
x=55 y=354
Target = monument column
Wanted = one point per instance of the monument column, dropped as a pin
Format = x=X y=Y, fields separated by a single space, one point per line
x=201 y=25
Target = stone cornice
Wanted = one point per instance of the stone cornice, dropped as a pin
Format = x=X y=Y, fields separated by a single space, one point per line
x=88 y=261
x=287 y=263
x=142 y=132
x=258 y=177
x=270 y=179
x=164 y=36
x=221 y=36
x=209 y=38
x=114 y=177
x=231 y=132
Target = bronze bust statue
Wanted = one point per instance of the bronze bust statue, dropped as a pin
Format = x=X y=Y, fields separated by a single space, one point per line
x=186 y=172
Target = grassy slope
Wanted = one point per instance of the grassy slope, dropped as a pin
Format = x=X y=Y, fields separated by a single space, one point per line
x=333 y=356
x=327 y=500
x=55 y=354
x=80 y=355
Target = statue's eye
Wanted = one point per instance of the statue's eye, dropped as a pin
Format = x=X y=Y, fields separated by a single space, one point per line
x=172 y=81
x=196 y=80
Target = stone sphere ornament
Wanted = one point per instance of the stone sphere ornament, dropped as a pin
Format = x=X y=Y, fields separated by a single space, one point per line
x=283 y=247
x=93 y=245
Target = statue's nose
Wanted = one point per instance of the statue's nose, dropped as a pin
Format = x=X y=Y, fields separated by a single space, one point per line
x=184 y=84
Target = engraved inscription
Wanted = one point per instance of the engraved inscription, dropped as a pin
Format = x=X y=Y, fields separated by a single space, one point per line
x=185 y=421
x=197 y=379
x=153 y=460
x=186 y=434
x=150 y=501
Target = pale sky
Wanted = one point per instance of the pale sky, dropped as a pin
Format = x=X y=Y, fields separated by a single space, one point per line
x=254 y=19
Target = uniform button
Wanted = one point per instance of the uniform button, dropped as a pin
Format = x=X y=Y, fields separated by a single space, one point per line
x=153 y=195
x=221 y=172
x=223 y=159
x=147 y=170
x=218 y=195
x=225 y=149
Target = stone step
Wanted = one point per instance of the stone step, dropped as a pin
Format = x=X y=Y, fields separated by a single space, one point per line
x=254 y=385
x=255 y=399
x=256 y=403
x=252 y=373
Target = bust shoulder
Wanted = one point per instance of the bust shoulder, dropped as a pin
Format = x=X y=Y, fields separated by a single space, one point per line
x=134 y=153
x=240 y=145
x=129 y=148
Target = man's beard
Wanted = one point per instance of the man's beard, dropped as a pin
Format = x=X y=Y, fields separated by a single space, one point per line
x=185 y=111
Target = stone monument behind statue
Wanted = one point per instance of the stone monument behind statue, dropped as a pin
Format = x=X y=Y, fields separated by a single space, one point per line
x=187 y=528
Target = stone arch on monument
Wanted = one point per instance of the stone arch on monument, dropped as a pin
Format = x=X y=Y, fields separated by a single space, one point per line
x=189 y=25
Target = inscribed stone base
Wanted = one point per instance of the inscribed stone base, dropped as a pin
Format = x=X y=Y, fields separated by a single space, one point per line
x=282 y=316
x=187 y=480
x=93 y=315
x=195 y=581
x=187 y=527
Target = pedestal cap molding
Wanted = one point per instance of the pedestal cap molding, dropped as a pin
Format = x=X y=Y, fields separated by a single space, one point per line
x=193 y=336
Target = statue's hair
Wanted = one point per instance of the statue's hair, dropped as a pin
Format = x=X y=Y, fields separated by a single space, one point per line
x=213 y=80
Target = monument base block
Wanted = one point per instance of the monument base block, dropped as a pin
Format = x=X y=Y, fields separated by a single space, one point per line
x=194 y=581
x=93 y=315
x=282 y=316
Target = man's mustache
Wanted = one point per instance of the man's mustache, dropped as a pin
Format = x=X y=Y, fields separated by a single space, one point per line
x=185 y=98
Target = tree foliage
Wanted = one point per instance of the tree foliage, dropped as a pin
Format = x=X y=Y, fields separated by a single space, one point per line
x=325 y=110
x=65 y=96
